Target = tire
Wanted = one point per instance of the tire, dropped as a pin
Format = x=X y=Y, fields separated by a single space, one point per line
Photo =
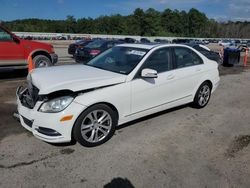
x=202 y=95
x=41 y=61
x=90 y=130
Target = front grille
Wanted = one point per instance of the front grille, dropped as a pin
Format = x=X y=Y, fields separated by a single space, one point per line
x=29 y=96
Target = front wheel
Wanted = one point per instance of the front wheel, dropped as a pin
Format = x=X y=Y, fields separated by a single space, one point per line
x=202 y=95
x=95 y=125
x=41 y=61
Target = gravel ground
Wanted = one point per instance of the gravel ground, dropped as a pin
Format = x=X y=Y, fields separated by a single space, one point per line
x=181 y=147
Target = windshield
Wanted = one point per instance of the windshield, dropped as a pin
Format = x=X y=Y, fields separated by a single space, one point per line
x=96 y=44
x=119 y=59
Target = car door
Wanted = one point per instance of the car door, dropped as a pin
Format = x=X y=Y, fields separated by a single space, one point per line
x=148 y=93
x=11 y=52
x=188 y=68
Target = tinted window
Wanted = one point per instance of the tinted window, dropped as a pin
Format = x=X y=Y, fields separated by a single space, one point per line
x=185 y=57
x=96 y=44
x=160 y=60
x=4 y=36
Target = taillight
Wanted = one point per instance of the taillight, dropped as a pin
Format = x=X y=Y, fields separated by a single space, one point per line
x=94 y=52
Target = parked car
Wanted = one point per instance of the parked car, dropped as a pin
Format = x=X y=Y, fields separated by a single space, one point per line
x=181 y=41
x=206 y=42
x=14 y=52
x=129 y=40
x=244 y=46
x=79 y=44
x=165 y=41
x=206 y=52
x=225 y=43
x=237 y=42
x=124 y=83
x=84 y=54
x=144 y=40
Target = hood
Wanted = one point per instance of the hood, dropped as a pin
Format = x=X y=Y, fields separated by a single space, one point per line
x=35 y=45
x=72 y=77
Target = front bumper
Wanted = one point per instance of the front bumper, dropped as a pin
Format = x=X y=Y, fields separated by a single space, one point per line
x=47 y=126
x=54 y=58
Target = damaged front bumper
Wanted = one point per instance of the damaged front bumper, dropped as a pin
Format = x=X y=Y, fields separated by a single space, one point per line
x=45 y=126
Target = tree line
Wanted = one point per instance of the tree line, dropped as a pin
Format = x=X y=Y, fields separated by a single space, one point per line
x=143 y=23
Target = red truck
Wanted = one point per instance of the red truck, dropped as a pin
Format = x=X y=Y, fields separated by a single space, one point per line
x=14 y=52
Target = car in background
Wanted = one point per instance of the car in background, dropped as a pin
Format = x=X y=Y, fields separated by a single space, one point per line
x=14 y=52
x=225 y=43
x=87 y=102
x=144 y=40
x=163 y=41
x=213 y=40
x=84 y=54
x=245 y=45
x=181 y=41
x=237 y=42
x=206 y=42
x=79 y=44
x=206 y=52
x=129 y=40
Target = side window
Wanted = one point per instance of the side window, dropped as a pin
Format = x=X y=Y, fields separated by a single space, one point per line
x=185 y=57
x=4 y=36
x=160 y=60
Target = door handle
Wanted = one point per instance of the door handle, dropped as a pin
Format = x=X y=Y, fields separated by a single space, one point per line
x=170 y=77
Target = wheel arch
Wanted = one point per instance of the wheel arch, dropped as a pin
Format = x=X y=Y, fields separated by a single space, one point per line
x=210 y=83
x=40 y=52
x=205 y=80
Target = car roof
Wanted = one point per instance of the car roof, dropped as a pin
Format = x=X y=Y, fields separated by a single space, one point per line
x=143 y=46
x=150 y=46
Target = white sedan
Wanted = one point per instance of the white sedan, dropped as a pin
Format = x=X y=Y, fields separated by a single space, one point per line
x=129 y=81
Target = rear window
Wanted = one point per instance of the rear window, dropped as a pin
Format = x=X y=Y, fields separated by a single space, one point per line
x=96 y=44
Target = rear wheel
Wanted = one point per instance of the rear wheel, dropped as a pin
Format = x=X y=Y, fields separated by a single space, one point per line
x=95 y=126
x=41 y=61
x=202 y=95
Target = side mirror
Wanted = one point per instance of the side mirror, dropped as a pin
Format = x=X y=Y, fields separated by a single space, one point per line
x=149 y=73
x=15 y=39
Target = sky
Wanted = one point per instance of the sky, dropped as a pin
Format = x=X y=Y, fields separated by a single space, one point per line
x=221 y=10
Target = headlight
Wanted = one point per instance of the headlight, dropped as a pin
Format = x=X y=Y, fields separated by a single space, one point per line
x=56 y=105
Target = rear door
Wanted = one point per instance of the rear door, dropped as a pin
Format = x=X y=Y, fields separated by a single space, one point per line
x=188 y=68
x=11 y=53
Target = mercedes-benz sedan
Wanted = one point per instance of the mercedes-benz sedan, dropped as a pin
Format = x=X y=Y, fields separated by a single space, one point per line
x=124 y=83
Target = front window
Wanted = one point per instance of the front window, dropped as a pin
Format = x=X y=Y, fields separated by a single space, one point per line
x=159 y=60
x=4 y=36
x=119 y=59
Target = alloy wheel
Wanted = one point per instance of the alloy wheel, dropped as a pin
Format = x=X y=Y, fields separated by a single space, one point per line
x=204 y=95
x=96 y=126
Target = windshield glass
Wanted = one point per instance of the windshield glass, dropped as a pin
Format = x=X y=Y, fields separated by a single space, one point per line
x=96 y=44
x=119 y=59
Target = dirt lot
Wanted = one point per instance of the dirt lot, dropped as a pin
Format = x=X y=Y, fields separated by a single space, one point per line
x=182 y=147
